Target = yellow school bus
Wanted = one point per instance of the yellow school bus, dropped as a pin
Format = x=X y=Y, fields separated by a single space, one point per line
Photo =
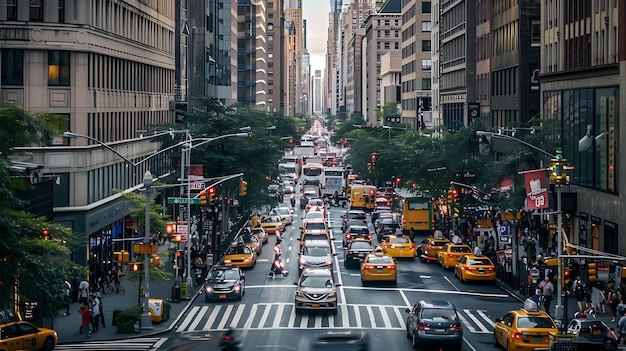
x=362 y=196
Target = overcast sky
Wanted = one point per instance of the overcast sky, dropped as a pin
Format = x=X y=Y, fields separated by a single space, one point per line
x=316 y=14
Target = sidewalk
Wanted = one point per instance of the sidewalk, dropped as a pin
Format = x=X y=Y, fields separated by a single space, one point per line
x=67 y=327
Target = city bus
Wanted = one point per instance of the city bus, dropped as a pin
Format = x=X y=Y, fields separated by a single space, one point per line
x=312 y=173
x=362 y=196
x=417 y=215
x=334 y=180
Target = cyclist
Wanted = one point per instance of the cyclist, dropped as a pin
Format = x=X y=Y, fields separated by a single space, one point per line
x=114 y=277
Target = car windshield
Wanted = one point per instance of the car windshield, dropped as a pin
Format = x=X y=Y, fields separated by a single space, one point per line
x=222 y=275
x=399 y=240
x=460 y=249
x=316 y=251
x=354 y=231
x=479 y=262
x=315 y=226
x=535 y=322
x=271 y=220
x=355 y=215
x=361 y=245
x=381 y=259
x=312 y=281
x=441 y=313
x=238 y=250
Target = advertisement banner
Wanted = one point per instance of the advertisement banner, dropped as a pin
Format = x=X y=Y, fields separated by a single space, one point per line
x=536 y=189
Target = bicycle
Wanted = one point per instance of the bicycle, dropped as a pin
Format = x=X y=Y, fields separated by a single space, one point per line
x=108 y=289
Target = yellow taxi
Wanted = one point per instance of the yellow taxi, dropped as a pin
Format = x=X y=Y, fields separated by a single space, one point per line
x=260 y=234
x=398 y=246
x=21 y=335
x=378 y=266
x=525 y=329
x=240 y=256
x=253 y=242
x=475 y=268
x=450 y=254
x=272 y=224
x=430 y=247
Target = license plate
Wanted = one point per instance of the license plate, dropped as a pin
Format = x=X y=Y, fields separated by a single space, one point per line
x=596 y=332
x=379 y=270
x=222 y=296
x=379 y=267
x=481 y=272
x=537 y=338
x=315 y=305
x=439 y=330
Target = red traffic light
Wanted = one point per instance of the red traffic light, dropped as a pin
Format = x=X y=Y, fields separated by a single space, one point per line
x=290 y=140
x=398 y=180
x=414 y=185
x=455 y=192
x=136 y=267
x=46 y=233
x=212 y=191
x=372 y=192
x=374 y=156
x=179 y=253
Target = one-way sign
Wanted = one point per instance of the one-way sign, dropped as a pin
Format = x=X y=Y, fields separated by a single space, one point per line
x=183 y=200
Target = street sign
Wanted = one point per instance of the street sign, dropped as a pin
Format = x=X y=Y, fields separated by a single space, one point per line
x=183 y=200
x=196 y=186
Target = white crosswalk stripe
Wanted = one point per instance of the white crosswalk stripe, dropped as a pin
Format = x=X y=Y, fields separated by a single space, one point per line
x=138 y=344
x=282 y=315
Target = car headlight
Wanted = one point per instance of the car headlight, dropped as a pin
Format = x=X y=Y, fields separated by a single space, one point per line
x=246 y=260
x=299 y=294
x=237 y=288
x=209 y=289
x=332 y=294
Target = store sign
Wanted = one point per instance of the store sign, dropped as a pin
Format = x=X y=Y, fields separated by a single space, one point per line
x=536 y=189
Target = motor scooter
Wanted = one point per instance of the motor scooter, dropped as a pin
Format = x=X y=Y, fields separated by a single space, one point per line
x=278 y=267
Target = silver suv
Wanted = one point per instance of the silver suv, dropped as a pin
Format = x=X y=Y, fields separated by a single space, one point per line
x=316 y=254
x=316 y=290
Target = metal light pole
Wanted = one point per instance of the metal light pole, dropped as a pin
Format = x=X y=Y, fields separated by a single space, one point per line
x=146 y=319
x=559 y=178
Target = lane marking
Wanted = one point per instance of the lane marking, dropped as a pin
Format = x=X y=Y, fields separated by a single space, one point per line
x=238 y=315
x=212 y=317
x=223 y=320
x=451 y=283
x=478 y=323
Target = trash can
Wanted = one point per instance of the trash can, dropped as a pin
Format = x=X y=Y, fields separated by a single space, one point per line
x=175 y=296
x=183 y=291
x=155 y=307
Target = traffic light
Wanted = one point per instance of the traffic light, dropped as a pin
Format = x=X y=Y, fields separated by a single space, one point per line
x=374 y=158
x=179 y=253
x=212 y=196
x=455 y=193
x=203 y=197
x=137 y=266
x=46 y=234
x=290 y=140
x=398 y=180
x=243 y=188
x=414 y=185
x=592 y=272
x=369 y=166
x=450 y=197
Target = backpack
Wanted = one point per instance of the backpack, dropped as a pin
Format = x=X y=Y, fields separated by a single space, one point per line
x=614 y=297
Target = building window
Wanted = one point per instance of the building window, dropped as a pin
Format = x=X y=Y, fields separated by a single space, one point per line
x=426 y=45
x=396 y=45
x=270 y=82
x=36 y=10
x=426 y=84
x=425 y=6
x=270 y=26
x=387 y=46
x=270 y=64
x=426 y=26
x=270 y=5
x=270 y=38
x=270 y=91
x=59 y=68
x=270 y=74
x=12 y=67
x=270 y=55
x=61 y=11
x=11 y=10
x=426 y=64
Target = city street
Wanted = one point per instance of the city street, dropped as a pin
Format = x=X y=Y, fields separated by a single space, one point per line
x=265 y=318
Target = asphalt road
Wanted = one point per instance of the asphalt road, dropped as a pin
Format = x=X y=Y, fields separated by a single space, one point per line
x=265 y=318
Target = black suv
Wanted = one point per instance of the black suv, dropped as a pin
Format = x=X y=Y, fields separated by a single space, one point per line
x=353 y=217
x=356 y=231
x=434 y=323
x=224 y=282
x=356 y=251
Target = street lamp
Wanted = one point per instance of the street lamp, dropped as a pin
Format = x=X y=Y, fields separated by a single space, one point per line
x=146 y=319
x=558 y=178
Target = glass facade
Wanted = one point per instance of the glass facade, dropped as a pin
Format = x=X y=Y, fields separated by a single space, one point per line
x=589 y=131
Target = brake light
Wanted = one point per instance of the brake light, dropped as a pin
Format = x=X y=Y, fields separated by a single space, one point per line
x=403 y=220
x=451 y=255
x=392 y=266
x=517 y=336
x=302 y=261
x=368 y=266
x=456 y=327
x=369 y=236
x=329 y=262
x=584 y=330
x=348 y=237
x=422 y=326
x=466 y=268
x=413 y=247
x=430 y=246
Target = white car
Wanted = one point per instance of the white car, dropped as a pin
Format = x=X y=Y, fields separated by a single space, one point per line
x=284 y=213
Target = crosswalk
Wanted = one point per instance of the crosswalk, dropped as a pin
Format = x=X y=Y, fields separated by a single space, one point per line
x=136 y=344
x=265 y=316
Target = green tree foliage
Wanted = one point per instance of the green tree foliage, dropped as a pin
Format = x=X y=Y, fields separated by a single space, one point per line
x=30 y=265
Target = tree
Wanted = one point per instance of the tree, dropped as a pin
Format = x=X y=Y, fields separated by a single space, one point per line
x=32 y=267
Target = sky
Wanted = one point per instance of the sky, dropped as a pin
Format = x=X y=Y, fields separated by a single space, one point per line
x=315 y=12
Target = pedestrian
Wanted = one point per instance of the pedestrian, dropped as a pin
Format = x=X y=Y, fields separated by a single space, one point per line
x=477 y=251
x=588 y=293
x=580 y=294
x=85 y=319
x=551 y=249
x=104 y=325
x=547 y=290
x=68 y=297
x=613 y=301
x=83 y=292
x=536 y=297
x=94 y=307
x=621 y=328
x=114 y=277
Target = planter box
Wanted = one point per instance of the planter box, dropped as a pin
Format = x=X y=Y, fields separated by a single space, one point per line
x=128 y=328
